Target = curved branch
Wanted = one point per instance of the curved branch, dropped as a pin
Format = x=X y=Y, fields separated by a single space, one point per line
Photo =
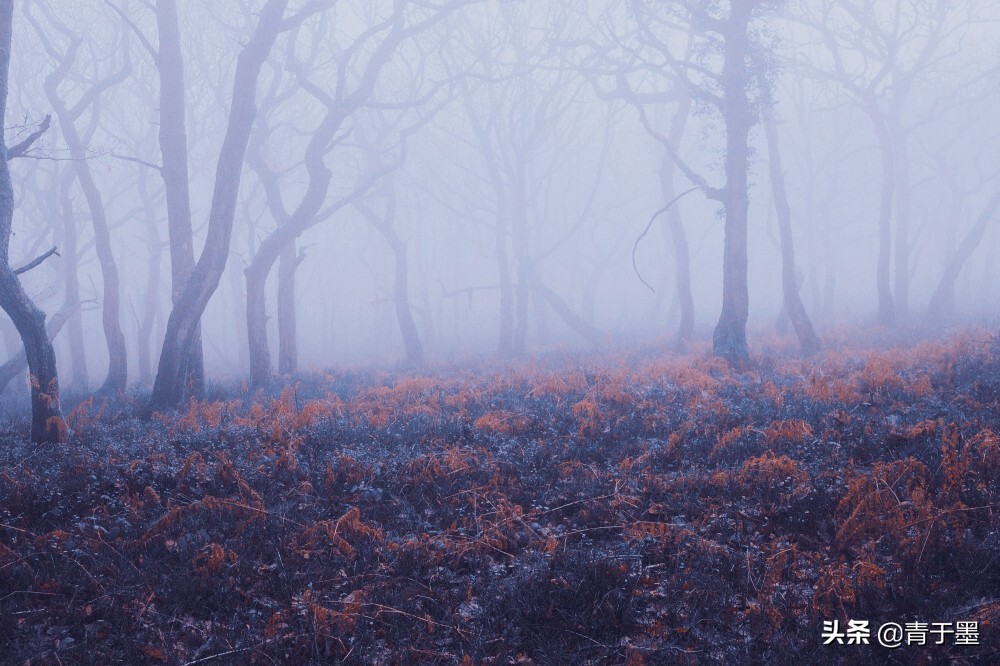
x=650 y=226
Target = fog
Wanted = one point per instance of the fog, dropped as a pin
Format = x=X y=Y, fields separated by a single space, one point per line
x=479 y=179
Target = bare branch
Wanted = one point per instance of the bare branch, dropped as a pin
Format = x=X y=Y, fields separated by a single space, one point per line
x=650 y=226
x=715 y=193
x=36 y=261
x=307 y=10
x=135 y=29
x=20 y=149
x=156 y=167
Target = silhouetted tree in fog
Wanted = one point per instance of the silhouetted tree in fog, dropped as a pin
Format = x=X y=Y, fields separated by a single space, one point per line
x=808 y=342
x=521 y=100
x=622 y=67
x=47 y=423
x=878 y=53
x=65 y=53
x=71 y=257
x=385 y=223
x=725 y=71
x=58 y=210
x=168 y=57
x=349 y=85
x=170 y=385
x=942 y=301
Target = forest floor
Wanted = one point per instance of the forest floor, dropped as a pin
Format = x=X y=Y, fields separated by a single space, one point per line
x=606 y=511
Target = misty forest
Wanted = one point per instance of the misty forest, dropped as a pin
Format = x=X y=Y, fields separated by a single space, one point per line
x=499 y=332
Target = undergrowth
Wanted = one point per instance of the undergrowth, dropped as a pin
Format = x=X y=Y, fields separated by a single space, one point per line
x=666 y=510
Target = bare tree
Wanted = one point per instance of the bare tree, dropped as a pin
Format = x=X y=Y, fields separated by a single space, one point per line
x=519 y=101
x=151 y=303
x=725 y=71
x=68 y=114
x=878 y=54
x=79 y=376
x=358 y=69
x=682 y=254
x=385 y=223
x=808 y=342
x=40 y=179
x=620 y=67
x=47 y=424
x=172 y=374
x=174 y=153
x=942 y=301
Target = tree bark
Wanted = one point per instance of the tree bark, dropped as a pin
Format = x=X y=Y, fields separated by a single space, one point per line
x=796 y=311
x=729 y=339
x=47 y=424
x=174 y=169
x=172 y=374
x=19 y=362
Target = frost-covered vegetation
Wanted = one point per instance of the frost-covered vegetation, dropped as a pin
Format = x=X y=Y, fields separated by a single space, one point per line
x=587 y=511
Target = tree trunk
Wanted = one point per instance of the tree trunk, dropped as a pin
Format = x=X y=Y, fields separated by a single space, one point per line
x=170 y=386
x=559 y=306
x=901 y=166
x=793 y=307
x=79 y=379
x=111 y=306
x=682 y=256
x=404 y=313
x=237 y=292
x=11 y=338
x=401 y=289
x=886 y=308
x=519 y=244
x=260 y=352
x=174 y=169
x=19 y=362
x=304 y=216
x=505 y=342
x=47 y=424
x=729 y=339
x=943 y=300
x=151 y=306
x=288 y=349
